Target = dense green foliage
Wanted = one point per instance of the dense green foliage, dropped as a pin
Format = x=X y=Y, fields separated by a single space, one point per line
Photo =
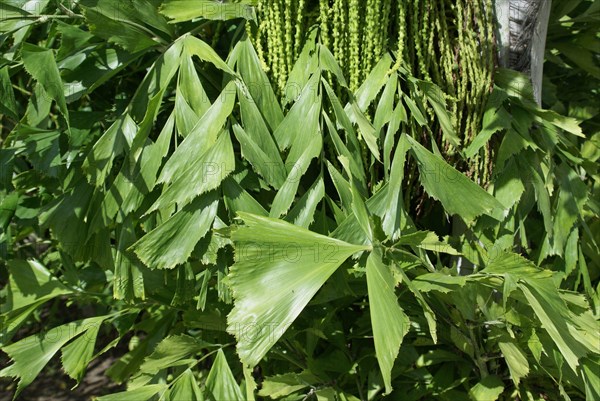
x=449 y=43
x=306 y=239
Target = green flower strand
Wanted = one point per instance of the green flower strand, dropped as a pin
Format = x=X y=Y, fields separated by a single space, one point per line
x=354 y=51
x=299 y=31
x=324 y=21
x=448 y=42
x=289 y=51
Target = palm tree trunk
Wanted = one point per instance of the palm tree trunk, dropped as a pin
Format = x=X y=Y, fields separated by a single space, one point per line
x=521 y=33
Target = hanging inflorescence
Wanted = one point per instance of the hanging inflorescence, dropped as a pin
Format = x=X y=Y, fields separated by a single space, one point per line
x=280 y=35
x=451 y=43
x=448 y=42
x=356 y=31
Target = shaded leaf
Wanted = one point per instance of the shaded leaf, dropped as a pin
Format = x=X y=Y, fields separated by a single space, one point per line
x=516 y=360
x=435 y=96
x=390 y=323
x=489 y=388
x=302 y=214
x=220 y=381
x=8 y=105
x=551 y=311
x=32 y=353
x=429 y=314
x=124 y=22
x=185 y=387
x=237 y=199
x=456 y=192
x=29 y=283
x=78 y=354
x=438 y=282
x=286 y=384
x=138 y=394
x=41 y=64
x=111 y=144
